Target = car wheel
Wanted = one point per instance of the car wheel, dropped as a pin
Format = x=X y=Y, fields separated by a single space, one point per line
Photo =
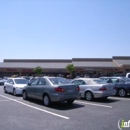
x=25 y=97
x=70 y=102
x=122 y=92
x=14 y=92
x=5 y=91
x=46 y=100
x=88 y=96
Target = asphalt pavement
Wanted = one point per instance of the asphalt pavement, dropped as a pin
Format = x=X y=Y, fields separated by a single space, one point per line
x=18 y=114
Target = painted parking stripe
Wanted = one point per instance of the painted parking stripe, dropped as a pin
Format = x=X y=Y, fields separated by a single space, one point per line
x=120 y=98
x=36 y=108
x=94 y=104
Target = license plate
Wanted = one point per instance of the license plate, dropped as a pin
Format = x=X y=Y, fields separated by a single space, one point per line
x=109 y=88
x=70 y=90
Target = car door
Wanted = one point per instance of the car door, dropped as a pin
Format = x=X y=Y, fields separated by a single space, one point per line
x=40 y=88
x=83 y=86
x=11 y=83
x=7 y=85
x=31 y=88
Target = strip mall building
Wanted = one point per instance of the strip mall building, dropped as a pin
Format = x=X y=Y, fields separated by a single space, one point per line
x=83 y=66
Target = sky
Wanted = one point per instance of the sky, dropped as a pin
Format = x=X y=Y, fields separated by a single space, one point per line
x=64 y=29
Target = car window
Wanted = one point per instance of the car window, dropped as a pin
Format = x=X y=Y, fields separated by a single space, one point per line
x=21 y=81
x=8 y=80
x=115 y=80
x=122 y=81
x=35 y=82
x=106 y=80
x=11 y=81
x=77 y=82
x=109 y=81
x=82 y=82
x=42 y=81
x=99 y=81
x=59 y=81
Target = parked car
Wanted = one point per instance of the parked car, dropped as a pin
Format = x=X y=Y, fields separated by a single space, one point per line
x=25 y=77
x=15 y=85
x=91 y=88
x=118 y=75
x=2 y=81
x=126 y=79
x=122 y=85
x=51 y=89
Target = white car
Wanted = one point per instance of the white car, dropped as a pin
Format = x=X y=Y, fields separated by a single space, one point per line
x=15 y=85
x=91 y=88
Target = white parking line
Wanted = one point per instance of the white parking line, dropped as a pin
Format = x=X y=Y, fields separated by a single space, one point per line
x=94 y=104
x=120 y=98
x=36 y=108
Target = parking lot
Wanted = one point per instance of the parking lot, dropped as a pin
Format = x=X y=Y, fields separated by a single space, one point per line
x=18 y=114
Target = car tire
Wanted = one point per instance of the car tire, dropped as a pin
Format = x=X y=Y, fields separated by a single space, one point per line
x=5 y=91
x=46 y=100
x=122 y=92
x=70 y=102
x=89 y=96
x=25 y=97
x=14 y=92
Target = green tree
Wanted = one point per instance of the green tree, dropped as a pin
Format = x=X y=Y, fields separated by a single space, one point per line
x=38 y=70
x=70 y=68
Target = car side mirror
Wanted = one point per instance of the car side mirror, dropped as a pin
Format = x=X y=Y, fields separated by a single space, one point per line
x=11 y=83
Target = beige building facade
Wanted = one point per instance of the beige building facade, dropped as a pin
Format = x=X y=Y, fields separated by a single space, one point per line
x=83 y=66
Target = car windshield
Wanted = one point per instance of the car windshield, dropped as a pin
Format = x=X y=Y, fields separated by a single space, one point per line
x=21 y=81
x=59 y=81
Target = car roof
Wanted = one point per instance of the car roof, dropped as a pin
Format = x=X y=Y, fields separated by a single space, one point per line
x=15 y=78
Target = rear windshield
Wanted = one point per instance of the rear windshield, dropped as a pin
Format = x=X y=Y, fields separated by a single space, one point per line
x=99 y=81
x=126 y=79
x=59 y=81
x=21 y=81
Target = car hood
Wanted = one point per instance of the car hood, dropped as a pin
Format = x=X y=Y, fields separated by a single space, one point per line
x=20 y=85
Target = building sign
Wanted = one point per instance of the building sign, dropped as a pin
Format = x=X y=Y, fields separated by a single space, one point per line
x=56 y=70
x=110 y=69
x=89 y=69
x=79 y=69
x=11 y=70
x=26 y=70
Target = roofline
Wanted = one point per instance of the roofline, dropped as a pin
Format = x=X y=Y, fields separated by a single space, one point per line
x=37 y=60
x=91 y=59
x=121 y=57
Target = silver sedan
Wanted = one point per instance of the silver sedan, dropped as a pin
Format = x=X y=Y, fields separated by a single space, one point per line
x=94 y=88
x=51 y=89
x=15 y=85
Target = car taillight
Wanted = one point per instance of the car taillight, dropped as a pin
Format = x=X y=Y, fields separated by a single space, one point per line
x=114 y=87
x=102 y=89
x=59 y=89
x=77 y=88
